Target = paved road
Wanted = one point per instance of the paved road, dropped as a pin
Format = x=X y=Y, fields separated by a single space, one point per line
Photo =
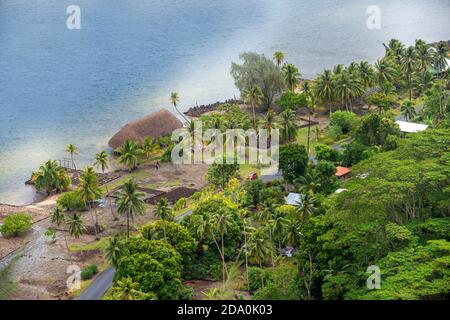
x=99 y=286
x=103 y=281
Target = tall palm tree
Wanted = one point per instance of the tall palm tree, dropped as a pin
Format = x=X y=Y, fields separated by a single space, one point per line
x=130 y=202
x=148 y=147
x=254 y=97
x=408 y=110
x=260 y=247
x=278 y=56
x=88 y=191
x=307 y=206
x=129 y=154
x=279 y=223
x=292 y=232
x=57 y=216
x=174 y=99
x=384 y=71
x=269 y=123
x=338 y=69
x=291 y=76
x=163 y=212
x=50 y=177
x=221 y=222
x=424 y=81
x=72 y=150
x=75 y=225
x=347 y=88
x=288 y=127
x=114 y=249
x=408 y=67
x=353 y=69
x=440 y=57
x=102 y=162
x=424 y=56
x=366 y=74
x=324 y=87
x=395 y=50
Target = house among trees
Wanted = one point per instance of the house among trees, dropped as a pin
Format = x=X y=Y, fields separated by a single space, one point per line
x=294 y=199
x=411 y=127
x=342 y=172
x=155 y=125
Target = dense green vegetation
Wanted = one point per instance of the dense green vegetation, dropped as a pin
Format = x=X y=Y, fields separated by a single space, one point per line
x=16 y=224
x=393 y=212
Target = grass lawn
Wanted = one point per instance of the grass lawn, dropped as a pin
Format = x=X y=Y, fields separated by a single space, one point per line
x=101 y=244
x=246 y=169
x=164 y=184
x=137 y=174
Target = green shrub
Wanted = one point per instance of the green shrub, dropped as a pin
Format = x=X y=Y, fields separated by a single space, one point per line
x=344 y=120
x=16 y=224
x=257 y=278
x=71 y=201
x=327 y=153
x=206 y=266
x=88 y=272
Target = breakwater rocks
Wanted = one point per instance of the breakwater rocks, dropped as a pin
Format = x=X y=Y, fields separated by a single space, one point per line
x=197 y=111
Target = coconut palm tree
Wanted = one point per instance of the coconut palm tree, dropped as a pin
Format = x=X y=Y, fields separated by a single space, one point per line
x=57 y=216
x=259 y=246
x=269 y=123
x=324 y=87
x=291 y=76
x=129 y=154
x=307 y=206
x=279 y=223
x=148 y=147
x=292 y=232
x=221 y=222
x=50 y=177
x=384 y=71
x=102 y=162
x=366 y=74
x=408 y=110
x=424 y=81
x=114 y=249
x=395 y=50
x=163 y=212
x=254 y=97
x=288 y=127
x=424 y=56
x=130 y=202
x=440 y=57
x=174 y=99
x=338 y=69
x=347 y=88
x=75 y=225
x=88 y=191
x=72 y=150
x=278 y=56
x=408 y=67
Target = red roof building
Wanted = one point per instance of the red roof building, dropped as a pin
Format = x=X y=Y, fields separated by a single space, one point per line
x=342 y=172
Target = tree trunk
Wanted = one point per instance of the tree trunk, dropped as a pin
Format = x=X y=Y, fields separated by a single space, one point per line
x=223 y=265
x=128 y=224
x=115 y=218
x=254 y=117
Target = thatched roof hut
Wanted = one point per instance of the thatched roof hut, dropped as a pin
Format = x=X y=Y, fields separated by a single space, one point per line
x=157 y=124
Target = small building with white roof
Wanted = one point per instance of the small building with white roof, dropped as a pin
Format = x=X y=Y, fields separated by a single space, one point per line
x=411 y=127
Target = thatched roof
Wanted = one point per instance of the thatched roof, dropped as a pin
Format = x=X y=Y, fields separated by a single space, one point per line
x=161 y=123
